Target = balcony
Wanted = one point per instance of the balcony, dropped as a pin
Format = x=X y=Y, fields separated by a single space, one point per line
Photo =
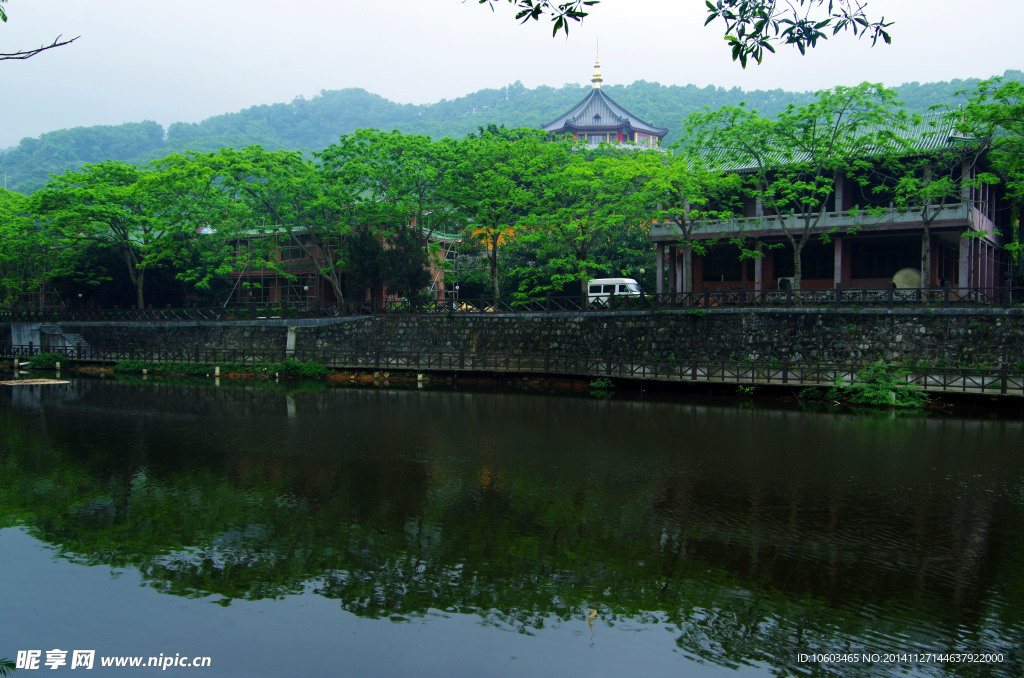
x=956 y=214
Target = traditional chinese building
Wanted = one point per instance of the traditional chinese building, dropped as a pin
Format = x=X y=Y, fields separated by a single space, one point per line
x=599 y=119
x=861 y=240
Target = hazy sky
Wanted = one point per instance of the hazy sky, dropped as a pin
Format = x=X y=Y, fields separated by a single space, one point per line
x=190 y=59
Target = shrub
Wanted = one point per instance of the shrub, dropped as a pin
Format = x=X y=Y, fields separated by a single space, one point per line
x=295 y=368
x=45 y=361
x=885 y=385
x=811 y=393
x=131 y=366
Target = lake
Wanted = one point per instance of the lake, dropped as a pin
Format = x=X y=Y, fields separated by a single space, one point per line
x=300 y=529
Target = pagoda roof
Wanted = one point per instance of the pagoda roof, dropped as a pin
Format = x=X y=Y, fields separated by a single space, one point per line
x=598 y=111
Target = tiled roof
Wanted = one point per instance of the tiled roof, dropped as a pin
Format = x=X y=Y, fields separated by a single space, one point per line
x=598 y=111
x=932 y=132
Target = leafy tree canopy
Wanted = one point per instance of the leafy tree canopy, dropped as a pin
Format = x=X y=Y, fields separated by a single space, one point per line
x=752 y=27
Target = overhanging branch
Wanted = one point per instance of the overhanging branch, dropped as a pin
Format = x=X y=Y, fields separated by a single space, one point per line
x=26 y=54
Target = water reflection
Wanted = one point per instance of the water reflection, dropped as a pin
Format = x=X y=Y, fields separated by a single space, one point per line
x=751 y=534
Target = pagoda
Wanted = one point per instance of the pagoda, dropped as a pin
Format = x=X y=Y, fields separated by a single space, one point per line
x=598 y=119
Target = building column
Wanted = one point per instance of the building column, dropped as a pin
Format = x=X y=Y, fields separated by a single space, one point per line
x=672 y=268
x=659 y=285
x=964 y=274
x=837 y=257
x=679 y=270
x=759 y=269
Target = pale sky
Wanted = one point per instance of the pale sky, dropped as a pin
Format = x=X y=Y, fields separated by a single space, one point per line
x=189 y=59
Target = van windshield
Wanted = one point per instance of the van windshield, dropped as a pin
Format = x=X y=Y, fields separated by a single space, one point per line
x=629 y=288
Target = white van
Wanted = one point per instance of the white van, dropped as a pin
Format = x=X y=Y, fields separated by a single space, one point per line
x=600 y=290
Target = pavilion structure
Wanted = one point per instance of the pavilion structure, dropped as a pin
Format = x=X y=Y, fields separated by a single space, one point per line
x=598 y=119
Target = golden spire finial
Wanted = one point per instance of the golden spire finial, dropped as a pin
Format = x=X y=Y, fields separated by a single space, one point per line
x=597 y=79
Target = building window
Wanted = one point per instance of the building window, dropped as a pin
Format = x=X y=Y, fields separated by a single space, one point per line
x=882 y=258
x=817 y=262
x=722 y=264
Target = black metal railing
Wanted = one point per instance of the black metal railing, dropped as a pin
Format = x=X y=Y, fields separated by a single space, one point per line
x=1001 y=380
x=837 y=297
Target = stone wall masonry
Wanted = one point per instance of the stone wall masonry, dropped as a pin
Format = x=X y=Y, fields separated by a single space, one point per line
x=845 y=336
x=942 y=337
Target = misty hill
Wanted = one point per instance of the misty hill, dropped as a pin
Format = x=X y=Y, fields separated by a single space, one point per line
x=312 y=124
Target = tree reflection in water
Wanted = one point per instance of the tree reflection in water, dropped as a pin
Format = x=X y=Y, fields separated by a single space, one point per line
x=753 y=533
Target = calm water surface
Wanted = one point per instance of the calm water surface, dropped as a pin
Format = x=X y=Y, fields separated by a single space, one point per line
x=387 y=532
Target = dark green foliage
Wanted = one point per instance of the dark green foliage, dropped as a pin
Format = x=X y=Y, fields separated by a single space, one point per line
x=286 y=368
x=313 y=124
x=46 y=361
x=28 y=164
x=296 y=368
x=405 y=268
x=885 y=385
x=363 y=255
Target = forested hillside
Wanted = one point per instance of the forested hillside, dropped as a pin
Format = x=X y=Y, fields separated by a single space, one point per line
x=312 y=124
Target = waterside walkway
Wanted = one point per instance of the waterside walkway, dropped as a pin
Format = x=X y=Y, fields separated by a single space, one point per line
x=999 y=381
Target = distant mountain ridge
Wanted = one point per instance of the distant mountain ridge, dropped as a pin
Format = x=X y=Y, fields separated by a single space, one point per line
x=312 y=124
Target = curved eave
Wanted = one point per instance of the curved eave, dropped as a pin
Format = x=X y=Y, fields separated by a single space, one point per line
x=597 y=102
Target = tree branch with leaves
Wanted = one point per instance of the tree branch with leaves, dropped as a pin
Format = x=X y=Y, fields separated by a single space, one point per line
x=752 y=27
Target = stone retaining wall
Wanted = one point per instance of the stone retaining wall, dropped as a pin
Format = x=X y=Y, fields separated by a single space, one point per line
x=949 y=337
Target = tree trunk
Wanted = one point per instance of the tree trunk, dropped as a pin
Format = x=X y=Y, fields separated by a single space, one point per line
x=140 y=276
x=339 y=298
x=493 y=261
x=798 y=273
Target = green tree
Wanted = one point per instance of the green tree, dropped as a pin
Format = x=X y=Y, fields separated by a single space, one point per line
x=994 y=115
x=405 y=267
x=751 y=26
x=364 y=255
x=284 y=200
x=681 y=191
x=794 y=162
x=585 y=201
x=186 y=189
x=920 y=176
x=108 y=203
x=399 y=187
x=496 y=174
x=24 y=253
